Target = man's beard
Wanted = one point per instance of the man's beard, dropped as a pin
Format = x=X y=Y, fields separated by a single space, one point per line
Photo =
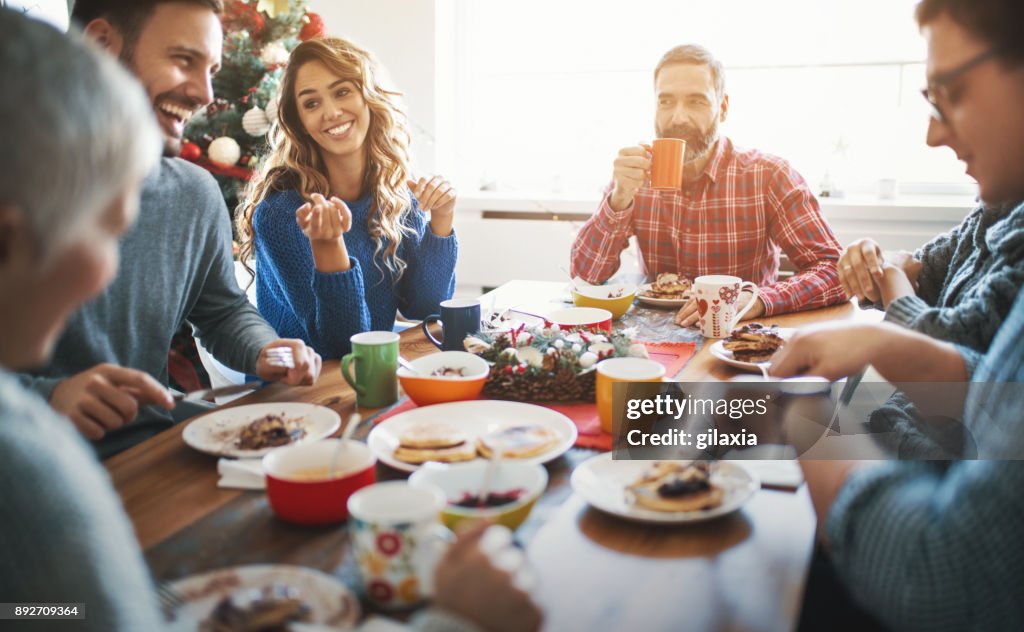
x=698 y=143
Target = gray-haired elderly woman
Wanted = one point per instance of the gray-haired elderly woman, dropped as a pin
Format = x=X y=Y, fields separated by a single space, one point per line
x=81 y=137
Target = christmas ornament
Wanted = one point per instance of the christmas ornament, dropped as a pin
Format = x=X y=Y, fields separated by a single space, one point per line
x=224 y=151
x=272 y=7
x=191 y=151
x=274 y=54
x=255 y=122
x=556 y=365
x=314 y=27
x=271 y=110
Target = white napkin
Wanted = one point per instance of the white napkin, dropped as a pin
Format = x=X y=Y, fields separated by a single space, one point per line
x=240 y=474
x=777 y=474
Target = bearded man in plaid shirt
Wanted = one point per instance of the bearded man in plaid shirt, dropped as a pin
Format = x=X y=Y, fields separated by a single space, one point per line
x=736 y=209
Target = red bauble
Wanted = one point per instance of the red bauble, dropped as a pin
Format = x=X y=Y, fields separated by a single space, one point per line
x=191 y=151
x=314 y=27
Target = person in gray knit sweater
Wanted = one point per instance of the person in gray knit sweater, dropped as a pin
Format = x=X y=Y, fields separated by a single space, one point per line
x=65 y=533
x=959 y=288
x=109 y=369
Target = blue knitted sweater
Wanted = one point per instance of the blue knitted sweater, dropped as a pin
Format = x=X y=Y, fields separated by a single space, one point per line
x=325 y=310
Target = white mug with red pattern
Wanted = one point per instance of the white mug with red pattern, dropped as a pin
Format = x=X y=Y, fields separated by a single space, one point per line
x=397 y=540
x=717 y=298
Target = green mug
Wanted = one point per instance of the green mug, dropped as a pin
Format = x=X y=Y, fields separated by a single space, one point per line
x=376 y=377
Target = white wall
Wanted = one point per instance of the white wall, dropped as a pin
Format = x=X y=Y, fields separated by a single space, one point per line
x=401 y=34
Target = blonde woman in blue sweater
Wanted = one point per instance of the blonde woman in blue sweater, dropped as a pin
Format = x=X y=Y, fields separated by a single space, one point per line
x=339 y=231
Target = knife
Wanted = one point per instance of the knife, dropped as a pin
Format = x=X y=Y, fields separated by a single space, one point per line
x=209 y=393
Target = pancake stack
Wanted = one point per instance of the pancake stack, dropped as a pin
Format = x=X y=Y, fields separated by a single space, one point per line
x=669 y=286
x=672 y=487
x=434 y=442
x=754 y=342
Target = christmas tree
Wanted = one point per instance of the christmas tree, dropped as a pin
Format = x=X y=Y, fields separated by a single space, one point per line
x=230 y=137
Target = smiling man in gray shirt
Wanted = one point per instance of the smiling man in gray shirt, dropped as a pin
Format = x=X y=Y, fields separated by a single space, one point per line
x=110 y=366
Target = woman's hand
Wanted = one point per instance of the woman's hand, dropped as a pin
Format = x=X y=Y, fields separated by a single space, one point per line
x=324 y=222
x=437 y=196
x=323 y=219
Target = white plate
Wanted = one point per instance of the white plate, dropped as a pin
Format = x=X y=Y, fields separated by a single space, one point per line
x=475 y=418
x=659 y=302
x=602 y=482
x=718 y=350
x=217 y=432
x=330 y=601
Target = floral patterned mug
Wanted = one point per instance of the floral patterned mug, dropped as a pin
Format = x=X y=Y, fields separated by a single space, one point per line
x=717 y=296
x=397 y=540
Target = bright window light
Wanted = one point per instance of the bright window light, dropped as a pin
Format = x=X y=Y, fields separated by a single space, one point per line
x=549 y=90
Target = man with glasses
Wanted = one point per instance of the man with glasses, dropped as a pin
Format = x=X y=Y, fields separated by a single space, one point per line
x=937 y=545
x=960 y=286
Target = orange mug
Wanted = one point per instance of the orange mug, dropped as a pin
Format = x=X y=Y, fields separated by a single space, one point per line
x=667 y=163
x=645 y=377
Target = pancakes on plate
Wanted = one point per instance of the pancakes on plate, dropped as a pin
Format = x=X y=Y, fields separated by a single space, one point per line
x=518 y=442
x=675 y=487
x=754 y=342
x=434 y=442
x=668 y=286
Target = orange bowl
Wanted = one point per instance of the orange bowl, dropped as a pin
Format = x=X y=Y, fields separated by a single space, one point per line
x=425 y=388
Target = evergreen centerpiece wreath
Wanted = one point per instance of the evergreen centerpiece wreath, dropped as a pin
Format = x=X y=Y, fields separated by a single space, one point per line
x=547 y=363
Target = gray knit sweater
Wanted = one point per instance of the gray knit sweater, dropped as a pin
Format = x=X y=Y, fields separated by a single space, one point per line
x=175 y=266
x=969 y=280
x=65 y=535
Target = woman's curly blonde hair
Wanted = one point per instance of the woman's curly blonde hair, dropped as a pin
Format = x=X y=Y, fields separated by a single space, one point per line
x=294 y=161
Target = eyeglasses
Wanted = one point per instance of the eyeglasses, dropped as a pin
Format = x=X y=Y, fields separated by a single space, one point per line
x=938 y=87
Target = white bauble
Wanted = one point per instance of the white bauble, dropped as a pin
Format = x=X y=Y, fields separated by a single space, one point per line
x=255 y=122
x=271 y=110
x=588 y=359
x=274 y=54
x=531 y=356
x=224 y=151
x=637 y=350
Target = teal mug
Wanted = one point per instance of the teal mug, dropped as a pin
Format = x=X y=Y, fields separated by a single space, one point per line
x=376 y=379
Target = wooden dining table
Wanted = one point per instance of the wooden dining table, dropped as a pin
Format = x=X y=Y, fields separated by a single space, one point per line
x=745 y=571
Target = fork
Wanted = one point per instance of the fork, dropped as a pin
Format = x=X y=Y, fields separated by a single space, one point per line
x=281 y=357
x=170 y=600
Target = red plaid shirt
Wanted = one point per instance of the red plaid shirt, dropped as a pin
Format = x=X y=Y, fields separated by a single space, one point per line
x=731 y=220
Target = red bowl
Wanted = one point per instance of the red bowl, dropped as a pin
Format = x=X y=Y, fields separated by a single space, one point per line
x=297 y=484
x=590 y=318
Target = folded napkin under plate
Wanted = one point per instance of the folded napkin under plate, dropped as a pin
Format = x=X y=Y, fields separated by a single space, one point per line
x=240 y=474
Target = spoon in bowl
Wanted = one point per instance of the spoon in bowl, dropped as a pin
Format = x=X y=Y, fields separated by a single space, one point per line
x=572 y=281
x=489 y=474
x=353 y=420
x=407 y=365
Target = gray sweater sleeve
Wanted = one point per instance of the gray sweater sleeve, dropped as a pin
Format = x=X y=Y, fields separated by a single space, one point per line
x=224 y=320
x=65 y=534
x=41 y=386
x=989 y=289
x=935 y=257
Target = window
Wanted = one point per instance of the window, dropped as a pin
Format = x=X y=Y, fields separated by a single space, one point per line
x=548 y=91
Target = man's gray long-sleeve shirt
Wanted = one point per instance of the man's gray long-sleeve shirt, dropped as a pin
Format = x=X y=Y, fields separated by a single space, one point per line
x=176 y=265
